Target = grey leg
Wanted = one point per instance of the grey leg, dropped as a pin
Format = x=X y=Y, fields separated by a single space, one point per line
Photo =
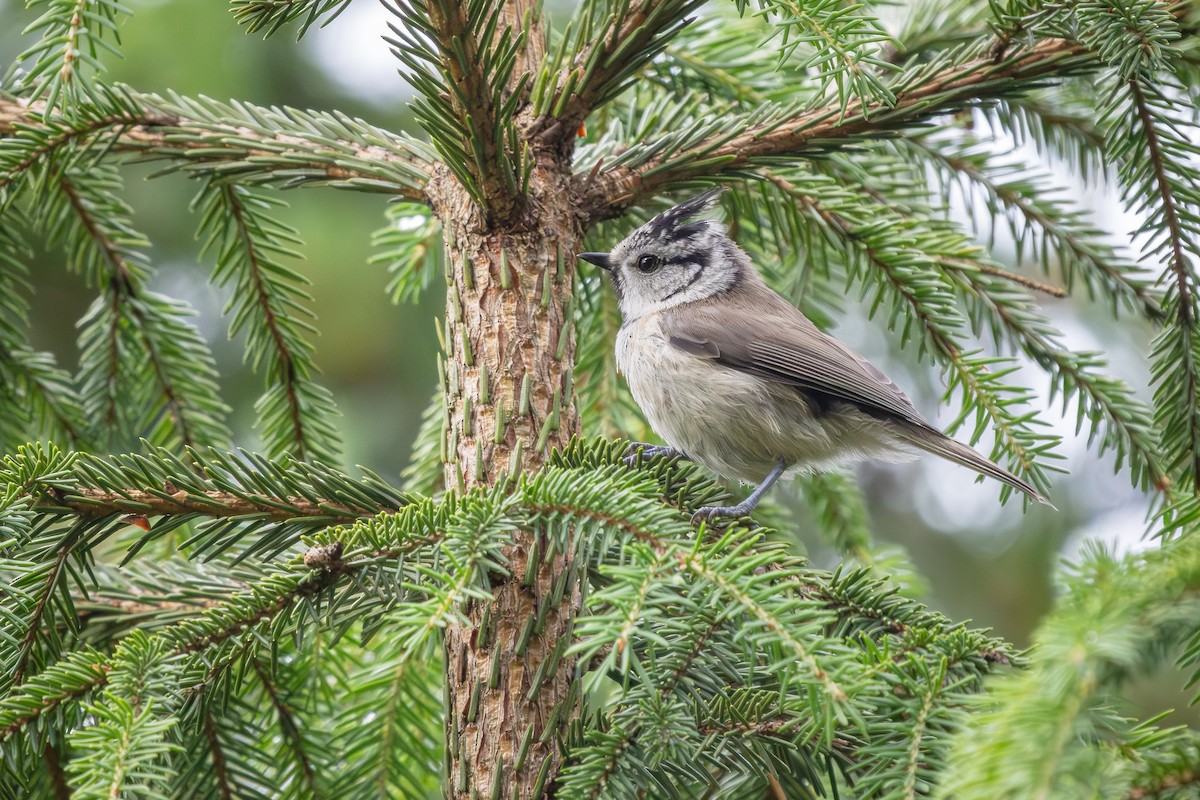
x=650 y=451
x=709 y=513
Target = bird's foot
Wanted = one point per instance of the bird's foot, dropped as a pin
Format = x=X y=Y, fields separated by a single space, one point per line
x=712 y=513
x=649 y=451
x=742 y=509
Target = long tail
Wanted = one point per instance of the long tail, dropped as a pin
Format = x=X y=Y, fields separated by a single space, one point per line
x=936 y=442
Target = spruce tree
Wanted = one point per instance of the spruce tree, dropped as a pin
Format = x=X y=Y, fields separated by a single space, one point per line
x=526 y=615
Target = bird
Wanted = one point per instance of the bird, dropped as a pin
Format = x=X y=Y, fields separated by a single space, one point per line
x=733 y=377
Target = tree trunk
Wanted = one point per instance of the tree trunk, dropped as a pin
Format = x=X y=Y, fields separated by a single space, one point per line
x=509 y=354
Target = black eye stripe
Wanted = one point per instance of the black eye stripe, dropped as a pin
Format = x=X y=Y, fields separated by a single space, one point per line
x=699 y=259
x=696 y=273
x=648 y=263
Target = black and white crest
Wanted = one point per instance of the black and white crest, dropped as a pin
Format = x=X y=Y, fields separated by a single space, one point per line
x=671 y=224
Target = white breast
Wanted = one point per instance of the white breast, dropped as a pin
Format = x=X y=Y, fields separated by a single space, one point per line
x=690 y=402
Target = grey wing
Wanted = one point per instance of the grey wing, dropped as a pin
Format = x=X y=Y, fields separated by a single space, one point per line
x=781 y=344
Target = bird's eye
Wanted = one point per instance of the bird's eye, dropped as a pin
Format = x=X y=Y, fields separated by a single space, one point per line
x=647 y=264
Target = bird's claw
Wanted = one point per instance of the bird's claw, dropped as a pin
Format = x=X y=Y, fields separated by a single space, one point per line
x=712 y=513
x=648 y=451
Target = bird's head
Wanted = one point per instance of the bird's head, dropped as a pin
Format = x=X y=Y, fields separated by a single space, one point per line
x=673 y=259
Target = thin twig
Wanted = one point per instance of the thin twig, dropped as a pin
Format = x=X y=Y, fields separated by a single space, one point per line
x=1170 y=213
x=288 y=724
x=125 y=294
x=220 y=771
x=287 y=373
x=49 y=586
x=54 y=770
x=87 y=502
x=1020 y=280
x=1179 y=267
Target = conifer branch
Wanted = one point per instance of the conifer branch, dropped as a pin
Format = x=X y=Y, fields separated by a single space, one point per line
x=633 y=617
x=840 y=222
x=1186 y=388
x=462 y=59
x=74 y=676
x=843 y=43
x=1156 y=152
x=149 y=607
x=281 y=147
x=1167 y=785
x=461 y=52
x=60 y=64
x=1023 y=742
x=1178 y=261
x=58 y=778
x=120 y=753
x=619 y=522
x=793 y=135
x=387 y=727
x=124 y=296
x=271 y=15
x=228 y=493
x=702 y=569
x=41 y=397
x=85 y=671
x=606 y=60
x=913 y=762
x=144 y=369
x=288 y=725
x=863 y=603
x=586 y=769
x=840 y=596
x=294 y=414
x=782 y=726
x=1101 y=398
x=259 y=604
x=220 y=773
x=1012 y=277
x=696 y=66
x=50 y=388
x=33 y=626
x=1037 y=212
x=1060 y=130
x=90 y=502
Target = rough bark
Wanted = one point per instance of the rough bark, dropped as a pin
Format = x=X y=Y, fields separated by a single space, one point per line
x=507 y=373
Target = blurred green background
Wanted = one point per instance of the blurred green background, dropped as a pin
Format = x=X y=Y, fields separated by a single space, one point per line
x=380 y=360
x=980 y=561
